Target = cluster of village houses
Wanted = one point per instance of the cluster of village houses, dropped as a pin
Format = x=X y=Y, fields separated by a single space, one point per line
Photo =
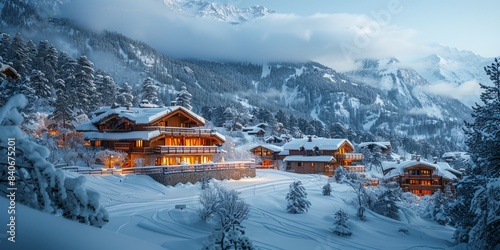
x=174 y=135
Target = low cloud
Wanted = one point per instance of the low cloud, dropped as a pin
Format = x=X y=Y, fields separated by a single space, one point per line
x=336 y=40
x=467 y=92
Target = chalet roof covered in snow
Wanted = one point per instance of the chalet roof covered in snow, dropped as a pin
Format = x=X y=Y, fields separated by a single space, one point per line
x=301 y=158
x=139 y=115
x=133 y=135
x=440 y=168
x=311 y=143
x=382 y=144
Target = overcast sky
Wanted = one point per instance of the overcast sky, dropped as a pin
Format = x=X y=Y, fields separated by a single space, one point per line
x=463 y=24
x=334 y=33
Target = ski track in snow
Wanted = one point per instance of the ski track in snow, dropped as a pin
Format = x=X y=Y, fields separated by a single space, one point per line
x=147 y=208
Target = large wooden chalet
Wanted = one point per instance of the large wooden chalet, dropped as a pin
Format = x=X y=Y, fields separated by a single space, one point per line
x=160 y=136
x=420 y=177
x=321 y=155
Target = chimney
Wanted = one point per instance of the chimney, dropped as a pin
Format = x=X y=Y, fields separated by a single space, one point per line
x=309 y=139
x=173 y=103
x=417 y=157
x=435 y=159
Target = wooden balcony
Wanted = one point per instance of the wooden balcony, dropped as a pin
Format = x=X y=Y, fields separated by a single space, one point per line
x=350 y=157
x=420 y=187
x=355 y=168
x=175 y=131
x=186 y=150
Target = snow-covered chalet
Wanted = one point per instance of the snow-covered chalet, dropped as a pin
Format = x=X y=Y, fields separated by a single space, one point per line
x=159 y=135
x=420 y=177
x=321 y=155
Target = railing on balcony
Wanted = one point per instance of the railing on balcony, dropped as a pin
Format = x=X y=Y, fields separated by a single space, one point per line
x=420 y=186
x=186 y=149
x=355 y=168
x=185 y=131
x=350 y=156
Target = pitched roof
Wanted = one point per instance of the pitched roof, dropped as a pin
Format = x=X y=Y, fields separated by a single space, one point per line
x=382 y=144
x=137 y=115
x=321 y=143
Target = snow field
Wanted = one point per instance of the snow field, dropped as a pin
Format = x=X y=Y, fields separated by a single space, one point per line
x=144 y=209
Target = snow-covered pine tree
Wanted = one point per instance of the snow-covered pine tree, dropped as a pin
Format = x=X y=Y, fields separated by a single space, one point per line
x=124 y=97
x=297 y=198
x=483 y=135
x=84 y=88
x=327 y=189
x=183 y=98
x=21 y=85
x=386 y=203
x=439 y=209
x=341 y=218
x=5 y=44
x=18 y=55
x=40 y=84
x=479 y=224
x=150 y=91
x=39 y=184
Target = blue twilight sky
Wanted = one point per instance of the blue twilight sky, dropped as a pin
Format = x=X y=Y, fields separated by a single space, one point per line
x=463 y=24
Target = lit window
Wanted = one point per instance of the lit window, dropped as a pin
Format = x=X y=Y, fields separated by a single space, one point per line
x=97 y=143
x=312 y=164
x=138 y=144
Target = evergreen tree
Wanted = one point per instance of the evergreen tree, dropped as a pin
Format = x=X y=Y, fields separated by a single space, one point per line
x=5 y=45
x=40 y=84
x=478 y=223
x=41 y=185
x=63 y=114
x=18 y=55
x=297 y=198
x=281 y=117
x=327 y=189
x=484 y=133
x=105 y=84
x=386 y=203
x=341 y=218
x=84 y=87
x=125 y=97
x=150 y=91
x=183 y=98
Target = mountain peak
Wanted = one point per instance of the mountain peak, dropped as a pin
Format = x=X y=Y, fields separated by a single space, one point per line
x=226 y=12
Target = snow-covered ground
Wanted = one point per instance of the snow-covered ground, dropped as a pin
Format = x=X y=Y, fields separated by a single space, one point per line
x=142 y=212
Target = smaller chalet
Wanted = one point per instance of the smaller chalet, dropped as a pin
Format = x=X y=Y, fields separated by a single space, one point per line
x=7 y=71
x=384 y=146
x=257 y=130
x=157 y=136
x=321 y=155
x=269 y=155
x=420 y=177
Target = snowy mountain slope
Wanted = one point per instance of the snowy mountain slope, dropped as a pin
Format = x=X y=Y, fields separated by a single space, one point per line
x=384 y=97
x=453 y=66
x=226 y=12
x=141 y=208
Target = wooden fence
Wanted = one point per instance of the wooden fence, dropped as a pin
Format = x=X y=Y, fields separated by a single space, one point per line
x=164 y=169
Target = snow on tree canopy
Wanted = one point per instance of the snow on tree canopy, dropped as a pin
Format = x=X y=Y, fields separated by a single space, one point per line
x=39 y=184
